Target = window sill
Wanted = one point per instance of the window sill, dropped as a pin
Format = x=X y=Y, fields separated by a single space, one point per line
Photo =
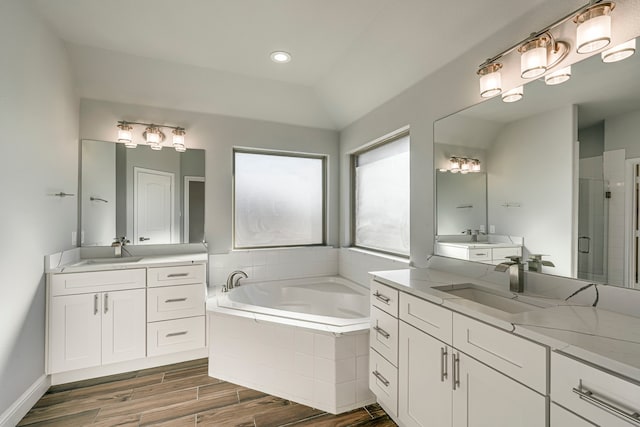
x=380 y=255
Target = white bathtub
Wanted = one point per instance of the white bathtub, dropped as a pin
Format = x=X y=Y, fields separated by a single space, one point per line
x=306 y=340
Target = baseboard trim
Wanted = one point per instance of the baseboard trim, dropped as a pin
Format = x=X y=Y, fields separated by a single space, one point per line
x=20 y=407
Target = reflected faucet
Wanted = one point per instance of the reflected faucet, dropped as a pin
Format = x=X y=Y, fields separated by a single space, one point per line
x=231 y=280
x=118 y=243
x=516 y=273
x=536 y=262
x=473 y=233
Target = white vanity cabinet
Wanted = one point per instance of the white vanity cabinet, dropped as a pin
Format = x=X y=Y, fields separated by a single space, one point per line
x=100 y=322
x=487 y=253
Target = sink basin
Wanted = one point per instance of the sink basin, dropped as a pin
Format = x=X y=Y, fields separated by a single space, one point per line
x=98 y=261
x=488 y=297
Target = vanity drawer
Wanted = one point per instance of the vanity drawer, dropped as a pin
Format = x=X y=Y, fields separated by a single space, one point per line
x=383 y=382
x=172 y=336
x=560 y=417
x=174 y=302
x=179 y=275
x=479 y=254
x=515 y=357
x=426 y=316
x=599 y=396
x=384 y=297
x=97 y=281
x=383 y=335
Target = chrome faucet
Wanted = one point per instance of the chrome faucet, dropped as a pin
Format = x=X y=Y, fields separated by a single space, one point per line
x=536 y=262
x=231 y=280
x=516 y=273
x=473 y=233
x=118 y=243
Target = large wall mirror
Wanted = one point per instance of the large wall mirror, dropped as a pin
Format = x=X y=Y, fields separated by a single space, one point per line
x=151 y=197
x=561 y=166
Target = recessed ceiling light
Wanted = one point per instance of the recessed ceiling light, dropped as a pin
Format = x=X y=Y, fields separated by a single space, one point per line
x=280 y=57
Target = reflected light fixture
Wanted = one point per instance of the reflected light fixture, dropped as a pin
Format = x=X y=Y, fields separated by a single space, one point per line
x=475 y=165
x=513 y=95
x=463 y=165
x=454 y=165
x=594 y=27
x=152 y=135
x=490 y=80
x=559 y=76
x=533 y=57
x=280 y=57
x=619 y=52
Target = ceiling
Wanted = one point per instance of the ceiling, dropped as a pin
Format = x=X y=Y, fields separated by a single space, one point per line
x=212 y=56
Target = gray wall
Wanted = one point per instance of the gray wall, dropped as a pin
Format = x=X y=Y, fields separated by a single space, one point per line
x=98 y=218
x=591 y=140
x=217 y=135
x=623 y=132
x=39 y=121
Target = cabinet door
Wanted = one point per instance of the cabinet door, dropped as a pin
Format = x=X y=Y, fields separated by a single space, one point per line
x=484 y=397
x=424 y=393
x=123 y=325
x=74 y=332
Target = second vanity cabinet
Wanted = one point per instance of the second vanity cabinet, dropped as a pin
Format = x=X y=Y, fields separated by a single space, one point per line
x=452 y=370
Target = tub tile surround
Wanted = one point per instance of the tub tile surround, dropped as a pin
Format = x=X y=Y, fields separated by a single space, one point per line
x=607 y=335
x=356 y=264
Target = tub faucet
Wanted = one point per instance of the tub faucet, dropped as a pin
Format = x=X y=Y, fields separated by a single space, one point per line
x=536 y=262
x=516 y=273
x=231 y=280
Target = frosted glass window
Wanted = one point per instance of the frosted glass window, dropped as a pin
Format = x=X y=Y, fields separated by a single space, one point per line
x=279 y=200
x=381 y=217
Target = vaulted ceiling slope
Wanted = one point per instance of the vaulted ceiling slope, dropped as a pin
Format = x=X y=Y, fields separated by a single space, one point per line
x=349 y=56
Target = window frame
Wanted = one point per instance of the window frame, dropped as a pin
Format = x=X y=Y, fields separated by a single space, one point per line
x=247 y=150
x=352 y=205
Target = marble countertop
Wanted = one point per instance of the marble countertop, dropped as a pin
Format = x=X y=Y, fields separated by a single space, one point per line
x=602 y=337
x=479 y=245
x=76 y=264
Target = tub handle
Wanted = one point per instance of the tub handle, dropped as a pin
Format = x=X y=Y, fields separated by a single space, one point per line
x=175 y=300
x=385 y=299
x=382 y=379
x=381 y=331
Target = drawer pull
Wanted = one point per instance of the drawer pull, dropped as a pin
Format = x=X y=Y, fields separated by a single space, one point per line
x=382 y=379
x=455 y=377
x=381 y=332
x=385 y=299
x=443 y=364
x=106 y=303
x=95 y=304
x=591 y=397
x=176 y=334
x=172 y=275
x=479 y=254
x=175 y=300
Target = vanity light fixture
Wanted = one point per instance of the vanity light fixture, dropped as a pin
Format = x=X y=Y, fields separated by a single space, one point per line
x=152 y=135
x=619 y=52
x=463 y=165
x=559 y=76
x=594 y=27
x=513 y=95
x=490 y=80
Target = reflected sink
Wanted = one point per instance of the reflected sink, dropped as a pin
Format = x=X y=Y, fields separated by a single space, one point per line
x=488 y=297
x=98 y=261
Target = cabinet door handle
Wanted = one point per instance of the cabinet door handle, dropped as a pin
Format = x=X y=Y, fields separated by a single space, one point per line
x=95 y=304
x=381 y=332
x=382 y=379
x=176 y=334
x=455 y=376
x=106 y=303
x=482 y=254
x=589 y=396
x=385 y=299
x=443 y=364
x=177 y=275
x=144 y=239
x=175 y=300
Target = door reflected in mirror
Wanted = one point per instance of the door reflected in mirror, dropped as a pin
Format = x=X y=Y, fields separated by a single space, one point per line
x=151 y=197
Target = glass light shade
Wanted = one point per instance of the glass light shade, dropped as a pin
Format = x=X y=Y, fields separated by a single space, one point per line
x=465 y=167
x=156 y=146
x=513 y=95
x=454 y=165
x=475 y=165
x=152 y=135
x=490 y=80
x=533 y=58
x=131 y=144
x=124 y=134
x=178 y=140
x=593 y=33
x=559 y=76
x=619 y=52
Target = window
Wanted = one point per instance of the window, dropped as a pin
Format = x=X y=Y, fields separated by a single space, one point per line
x=380 y=204
x=279 y=199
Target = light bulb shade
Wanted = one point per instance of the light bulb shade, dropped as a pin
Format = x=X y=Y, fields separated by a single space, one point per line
x=490 y=80
x=513 y=95
x=558 y=76
x=594 y=28
x=533 y=58
x=131 y=144
x=124 y=133
x=152 y=135
x=475 y=165
x=454 y=164
x=178 y=140
x=156 y=146
x=465 y=167
x=619 y=52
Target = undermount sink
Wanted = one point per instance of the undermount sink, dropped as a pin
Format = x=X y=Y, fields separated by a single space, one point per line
x=504 y=302
x=123 y=260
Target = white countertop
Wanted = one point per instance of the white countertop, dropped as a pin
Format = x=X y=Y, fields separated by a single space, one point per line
x=479 y=245
x=602 y=337
x=83 y=265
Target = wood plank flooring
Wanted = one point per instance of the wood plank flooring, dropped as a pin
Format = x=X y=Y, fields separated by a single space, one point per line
x=180 y=395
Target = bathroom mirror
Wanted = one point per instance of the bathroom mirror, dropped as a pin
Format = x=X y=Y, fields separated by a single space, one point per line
x=151 y=197
x=461 y=202
x=559 y=168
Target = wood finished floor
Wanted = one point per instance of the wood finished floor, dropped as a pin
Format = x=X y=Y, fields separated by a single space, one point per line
x=180 y=395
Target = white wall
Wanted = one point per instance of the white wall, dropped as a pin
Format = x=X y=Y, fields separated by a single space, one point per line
x=623 y=132
x=39 y=121
x=530 y=164
x=217 y=135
